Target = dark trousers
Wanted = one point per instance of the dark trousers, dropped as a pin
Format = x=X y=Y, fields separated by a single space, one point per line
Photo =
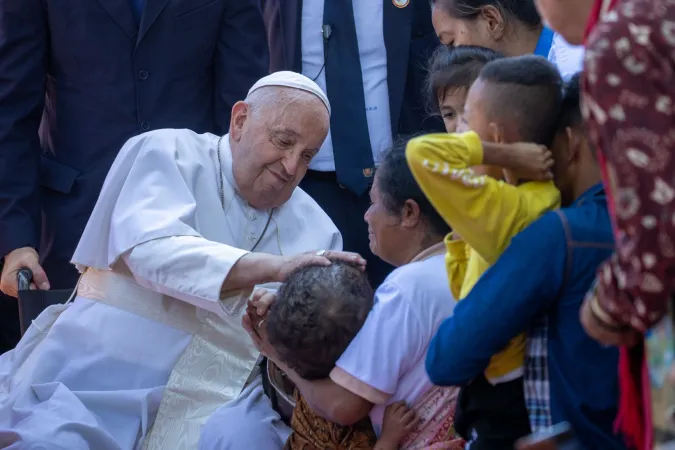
x=492 y=417
x=346 y=209
x=9 y=323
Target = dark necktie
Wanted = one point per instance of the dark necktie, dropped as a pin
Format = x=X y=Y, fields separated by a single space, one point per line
x=137 y=9
x=348 y=123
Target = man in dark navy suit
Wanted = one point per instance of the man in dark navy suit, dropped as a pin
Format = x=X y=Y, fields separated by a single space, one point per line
x=79 y=78
x=370 y=58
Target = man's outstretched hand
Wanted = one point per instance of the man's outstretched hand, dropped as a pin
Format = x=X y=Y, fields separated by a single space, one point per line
x=22 y=258
x=290 y=264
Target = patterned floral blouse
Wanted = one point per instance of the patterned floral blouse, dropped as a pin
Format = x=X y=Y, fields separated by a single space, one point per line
x=629 y=107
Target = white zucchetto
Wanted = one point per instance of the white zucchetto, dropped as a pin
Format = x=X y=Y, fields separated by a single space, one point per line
x=291 y=80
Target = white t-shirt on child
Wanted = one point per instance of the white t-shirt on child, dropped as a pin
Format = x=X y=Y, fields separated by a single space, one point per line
x=385 y=362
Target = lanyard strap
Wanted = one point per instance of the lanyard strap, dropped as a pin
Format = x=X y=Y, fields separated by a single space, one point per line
x=545 y=43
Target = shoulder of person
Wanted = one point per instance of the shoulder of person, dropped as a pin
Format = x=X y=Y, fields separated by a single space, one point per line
x=171 y=142
x=540 y=189
x=547 y=229
x=540 y=195
x=589 y=221
x=424 y=278
x=642 y=22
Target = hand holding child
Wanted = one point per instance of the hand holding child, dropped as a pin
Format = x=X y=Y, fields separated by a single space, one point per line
x=399 y=420
x=530 y=162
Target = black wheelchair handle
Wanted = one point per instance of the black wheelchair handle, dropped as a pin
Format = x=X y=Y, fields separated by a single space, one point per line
x=24 y=278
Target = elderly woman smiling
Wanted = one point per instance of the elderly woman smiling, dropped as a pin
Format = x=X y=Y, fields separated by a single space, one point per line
x=384 y=363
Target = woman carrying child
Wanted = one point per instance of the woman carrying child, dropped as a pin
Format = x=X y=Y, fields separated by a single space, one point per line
x=384 y=364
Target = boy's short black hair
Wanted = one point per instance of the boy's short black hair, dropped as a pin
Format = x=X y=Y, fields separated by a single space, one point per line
x=570 y=110
x=529 y=90
x=317 y=313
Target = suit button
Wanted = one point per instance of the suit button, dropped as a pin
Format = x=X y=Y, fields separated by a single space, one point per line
x=145 y=126
x=143 y=74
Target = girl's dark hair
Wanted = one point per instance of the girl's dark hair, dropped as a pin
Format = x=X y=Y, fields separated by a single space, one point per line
x=524 y=11
x=454 y=68
x=397 y=185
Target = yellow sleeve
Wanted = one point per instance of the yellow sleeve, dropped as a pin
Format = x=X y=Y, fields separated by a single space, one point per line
x=456 y=261
x=486 y=212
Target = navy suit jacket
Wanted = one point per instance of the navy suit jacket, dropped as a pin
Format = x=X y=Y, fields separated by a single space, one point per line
x=80 y=77
x=409 y=38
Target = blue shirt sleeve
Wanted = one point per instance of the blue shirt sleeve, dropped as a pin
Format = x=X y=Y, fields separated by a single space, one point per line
x=521 y=285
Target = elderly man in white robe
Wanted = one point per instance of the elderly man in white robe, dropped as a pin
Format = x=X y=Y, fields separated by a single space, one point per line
x=185 y=227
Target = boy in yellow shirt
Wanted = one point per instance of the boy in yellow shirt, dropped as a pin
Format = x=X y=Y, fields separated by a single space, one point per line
x=514 y=100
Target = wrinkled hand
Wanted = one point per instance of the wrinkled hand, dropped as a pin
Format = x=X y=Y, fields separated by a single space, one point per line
x=530 y=162
x=22 y=258
x=292 y=263
x=399 y=420
x=601 y=333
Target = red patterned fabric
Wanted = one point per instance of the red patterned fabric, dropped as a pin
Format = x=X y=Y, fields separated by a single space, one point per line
x=628 y=105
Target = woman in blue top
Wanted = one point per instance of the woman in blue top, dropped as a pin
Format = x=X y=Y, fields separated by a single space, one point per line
x=511 y=27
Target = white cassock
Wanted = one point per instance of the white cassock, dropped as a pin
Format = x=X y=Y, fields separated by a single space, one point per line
x=147 y=351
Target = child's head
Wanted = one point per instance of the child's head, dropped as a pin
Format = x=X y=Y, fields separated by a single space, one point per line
x=515 y=100
x=452 y=71
x=317 y=313
x=571 y=148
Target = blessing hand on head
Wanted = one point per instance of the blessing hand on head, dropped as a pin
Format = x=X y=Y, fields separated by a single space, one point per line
x=318 y=258
x=351 y=258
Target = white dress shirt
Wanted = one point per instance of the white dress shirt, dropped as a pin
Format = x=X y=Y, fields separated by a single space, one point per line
x=368 y=16
x=567 y=57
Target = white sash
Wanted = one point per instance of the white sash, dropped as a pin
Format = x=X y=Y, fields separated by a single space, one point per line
x=212 y=370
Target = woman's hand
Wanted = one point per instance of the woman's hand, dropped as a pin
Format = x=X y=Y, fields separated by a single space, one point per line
x=604 y=332
x=290 y=264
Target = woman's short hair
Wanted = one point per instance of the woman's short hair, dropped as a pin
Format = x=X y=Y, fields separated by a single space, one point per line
x=454 y=68
x=397 y=185
x=317 y=313
x=523 y=11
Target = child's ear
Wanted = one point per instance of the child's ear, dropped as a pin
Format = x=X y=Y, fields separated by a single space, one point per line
x=574 y=144
x=497 y=133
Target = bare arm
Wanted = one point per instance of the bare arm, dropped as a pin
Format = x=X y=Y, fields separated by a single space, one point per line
x=329 y=400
